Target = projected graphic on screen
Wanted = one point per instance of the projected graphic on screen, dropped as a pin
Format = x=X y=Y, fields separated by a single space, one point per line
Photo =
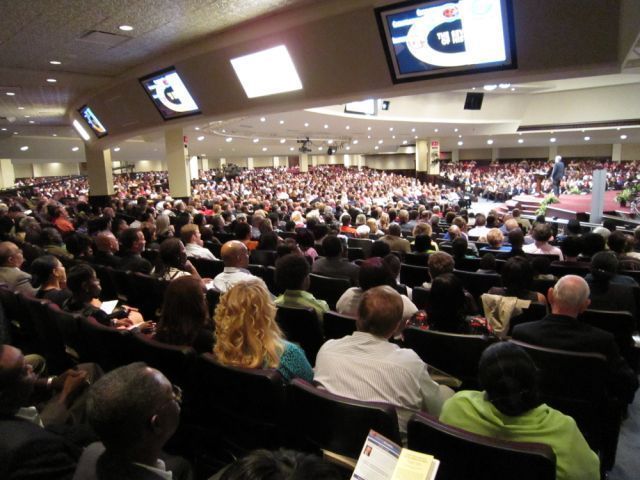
x=438 y=38
x=169 y=94
x=92 y=120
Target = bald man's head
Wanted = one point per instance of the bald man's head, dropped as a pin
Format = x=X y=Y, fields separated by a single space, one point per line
x=107 y=242
x=570 y=296
x=235 y=254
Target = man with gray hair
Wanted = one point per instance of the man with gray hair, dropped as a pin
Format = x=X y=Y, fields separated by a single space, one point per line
x=366 y=366
x=562 y=330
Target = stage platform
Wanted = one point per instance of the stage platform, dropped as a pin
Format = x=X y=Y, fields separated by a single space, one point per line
x=571 y=206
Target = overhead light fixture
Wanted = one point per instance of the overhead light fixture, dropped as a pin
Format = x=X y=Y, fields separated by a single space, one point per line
x=54 y=134
x=117 y=149
x=264 y=149
x=291 y=149
x=326 y=126
x=228 y=139
x=347 y=148
x=329 y=141
x=263 y=119
x=489 y=142
x=552 y=139
x=256 y=140
x=404 y=142
x=455 y=130
x=197 y=129
x=376 y=147
x=520 y=140
x=435 y=130
x=622 y=137
x=10 y=94
x=380 y=142
x=413 y=130
x=3 y=129
x=513 y=89
x=393 y=137
x=51 y=80
x=125 y=28
x=281 y=122
x=490 y=87
x=306 y=124
x=200 y=138
x=319 y=149
x=81 y=131
x=331 y=150
x=587 y=138
x=15 y=133
x=347 y=127
x=55 y=62
x=504 y=86
x=24 y=149
x=75 y=149
x=20 y=108
x=369 y=129
x=391 y=129
x=355 y=142
x=32 y=121
x=267 y=72
x=460 y=143
x=283 y=140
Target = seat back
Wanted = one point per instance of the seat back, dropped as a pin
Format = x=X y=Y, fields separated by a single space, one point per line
x=20 y=330
x=146 y=293
x=465 y=455
x=120 y=279
x=419 y=259
x=468 y=264
x=207 y=268
x=621 y=325
x=560 y=270
x=364 y=243
x=106 y=277
x=68 y=324
x=355 y=253
x=301 y=326
x=542 y=286
x=413 y=275
x=103 y=345
x=536 y=311
x=329 y=289
x=213 y=298
x=478 y=283
x=420 y=297
x=326 y=421
x=337 y=325
x=263 y=257
x=50 y=341
x=245 y=405
x=455 y=354
x=176 y=362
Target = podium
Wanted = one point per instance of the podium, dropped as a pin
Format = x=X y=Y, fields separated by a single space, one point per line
x=539 y=177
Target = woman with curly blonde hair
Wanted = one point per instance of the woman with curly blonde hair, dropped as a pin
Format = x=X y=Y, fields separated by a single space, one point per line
x=247 y=334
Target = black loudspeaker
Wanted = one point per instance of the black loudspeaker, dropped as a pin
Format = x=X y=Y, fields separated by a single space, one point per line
x=473 y=101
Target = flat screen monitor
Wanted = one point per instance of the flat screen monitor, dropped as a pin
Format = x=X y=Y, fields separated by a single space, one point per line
x=93 y=121
x=169 y=94
x=436 y=38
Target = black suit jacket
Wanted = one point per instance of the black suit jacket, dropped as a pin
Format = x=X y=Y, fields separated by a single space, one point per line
x=566 y=333
x=135 y=263
x=28 y=451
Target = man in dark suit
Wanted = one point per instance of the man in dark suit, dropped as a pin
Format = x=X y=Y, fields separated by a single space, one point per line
x=106 y=247
x=132 y=245
x=134 y=410
x=562 y=330
x=557 y=173
x=333 y=264
x=27 y=450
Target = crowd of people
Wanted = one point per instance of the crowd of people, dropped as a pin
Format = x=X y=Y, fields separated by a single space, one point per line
x=301 y=223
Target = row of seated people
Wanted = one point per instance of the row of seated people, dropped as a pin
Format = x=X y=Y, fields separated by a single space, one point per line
x=357 y=367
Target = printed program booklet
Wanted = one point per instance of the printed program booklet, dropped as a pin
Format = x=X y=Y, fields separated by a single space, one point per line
x=382 y=459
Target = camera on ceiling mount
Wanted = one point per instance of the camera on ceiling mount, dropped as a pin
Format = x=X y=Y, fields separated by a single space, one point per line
x=305 y=146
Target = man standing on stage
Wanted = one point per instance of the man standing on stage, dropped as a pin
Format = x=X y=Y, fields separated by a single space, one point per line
x=556 y=175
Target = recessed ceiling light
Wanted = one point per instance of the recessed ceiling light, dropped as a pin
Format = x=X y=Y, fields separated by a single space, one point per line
x=587 y=138
x=228 y=139
x=319 y=149
x=125 y=28
x=393 y=137
x=54 y=134
x=27 y=116
x=197 y=128
x=455 y=130
x=376 y=147
x=513 y=89
x=81 y=131
x=355 y=142
x=347 y=127
x=267 y=72
x=24 y=149
x=20 y=108
x=224 y=130
x=256 y=140
x=504 y=86
x=347 y=147
x=391 y=129
x=459 y=136
x=491 y=87
x=306 y=124
x=369 y=137
x=11 y=94
x=291 y=149
x=200 y=138
x=520 y=140
x=264 y=149
x=329 y=141
x=263 y=119
x=282 y=140
x=15 y=133
x=622 y=137
x=75 y=149
x=369 y=128
x=32 y=121
x=489 y=142
x=460 y=143
x=55 y=62
x=415 y=137
x=413 y=130
x=117 y=149
x=3 y=129
x=51 y=80
x=326 y=126
x=552 y=139
x=404 y=142
x=435 y=130
x=281 y=122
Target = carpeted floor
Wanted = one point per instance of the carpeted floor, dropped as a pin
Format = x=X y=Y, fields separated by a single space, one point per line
x=627 y=466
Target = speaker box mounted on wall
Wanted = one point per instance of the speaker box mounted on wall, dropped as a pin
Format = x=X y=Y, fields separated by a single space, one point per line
x=473 y=101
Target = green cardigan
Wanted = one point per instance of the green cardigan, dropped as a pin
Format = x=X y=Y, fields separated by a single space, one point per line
x=471 y=411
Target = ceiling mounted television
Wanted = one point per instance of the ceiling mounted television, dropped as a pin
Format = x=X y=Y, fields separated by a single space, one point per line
x=169 y=94
x=93 y=121
x=437 y=38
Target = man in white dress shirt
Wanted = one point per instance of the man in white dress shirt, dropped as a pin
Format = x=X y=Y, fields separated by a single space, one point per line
x=236 y=260
x=366 y=366
x=190 y=236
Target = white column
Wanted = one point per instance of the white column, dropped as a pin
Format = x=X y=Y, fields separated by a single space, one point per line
x=314 y=162
x=249 y=163
x=360 y=161
x=346 y=160
x=494 y=155
x=7 y=174
x=304 y=162
x=193 y=167
x=553 y=151
x=455 y=156
x=276 y=162
x=176 y=154
x=204 y=164
x=616 y=152
x=422 y=155
x=99 y=169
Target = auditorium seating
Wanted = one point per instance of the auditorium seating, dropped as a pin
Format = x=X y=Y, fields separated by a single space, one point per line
x=455 y=354
x=478 y=283
x=263 y=257
x=621 y=325
x=338 y=424
x=301 y=326
x=363 y=243
x=337 y=325
x=413 y=275
x=465 y=455
x=419 y=259
x=329 y=289
x=207 y=268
